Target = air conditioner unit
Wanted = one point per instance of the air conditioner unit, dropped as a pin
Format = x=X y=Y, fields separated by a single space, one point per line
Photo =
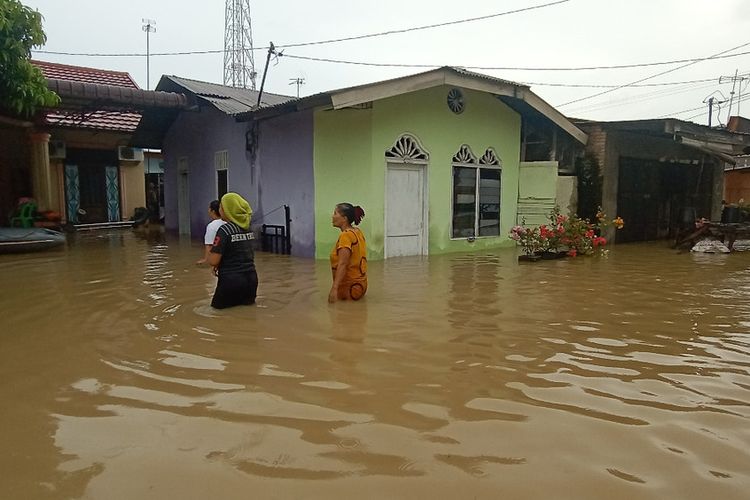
x=126 y=153
x=56 y=150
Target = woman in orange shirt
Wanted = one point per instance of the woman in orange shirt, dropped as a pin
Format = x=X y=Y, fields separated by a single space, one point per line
x=349 y=256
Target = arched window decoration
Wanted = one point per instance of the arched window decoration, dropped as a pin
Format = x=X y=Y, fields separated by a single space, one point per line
x=490 y=158
x=464 y=156
x=407 y=149
x=476 y=194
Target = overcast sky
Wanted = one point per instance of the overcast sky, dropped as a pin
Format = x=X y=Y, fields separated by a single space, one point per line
x=576 y=33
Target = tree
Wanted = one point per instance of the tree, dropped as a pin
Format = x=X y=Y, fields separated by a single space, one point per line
x=23 y=88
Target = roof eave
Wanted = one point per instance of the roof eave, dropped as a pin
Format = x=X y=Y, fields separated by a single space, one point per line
x=554 y=116
x=110 y=95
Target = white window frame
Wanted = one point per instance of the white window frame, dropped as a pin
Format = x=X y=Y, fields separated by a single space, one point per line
x=465 y=158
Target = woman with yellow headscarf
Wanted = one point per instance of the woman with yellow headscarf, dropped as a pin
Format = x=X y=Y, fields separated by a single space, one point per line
x=232 y=255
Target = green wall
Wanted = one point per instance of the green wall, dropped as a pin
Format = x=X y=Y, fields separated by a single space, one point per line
x=349 y=148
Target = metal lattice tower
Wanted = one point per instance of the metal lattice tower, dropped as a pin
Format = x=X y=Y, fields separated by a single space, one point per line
x=239 y=63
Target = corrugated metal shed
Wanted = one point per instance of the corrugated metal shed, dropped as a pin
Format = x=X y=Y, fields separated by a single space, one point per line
x=229 y=100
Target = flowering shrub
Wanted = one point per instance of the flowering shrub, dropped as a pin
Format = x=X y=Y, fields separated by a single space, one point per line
x=527 y=237
x=563 y=233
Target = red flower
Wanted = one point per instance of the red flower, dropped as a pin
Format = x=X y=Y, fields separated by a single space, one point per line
x=572 y=252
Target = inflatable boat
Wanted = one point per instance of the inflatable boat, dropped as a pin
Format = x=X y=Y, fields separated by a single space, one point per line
x=18 y=239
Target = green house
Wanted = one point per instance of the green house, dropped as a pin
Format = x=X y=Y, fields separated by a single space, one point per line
x=442 y=161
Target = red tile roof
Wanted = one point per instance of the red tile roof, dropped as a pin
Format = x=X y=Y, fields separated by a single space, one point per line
x=96 y=120
x=86 y=75
x=116 y=121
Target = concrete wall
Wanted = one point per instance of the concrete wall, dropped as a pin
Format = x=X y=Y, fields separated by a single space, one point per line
x=349 y=151
x=197 y=136
x=285 y=163
x=567 y=194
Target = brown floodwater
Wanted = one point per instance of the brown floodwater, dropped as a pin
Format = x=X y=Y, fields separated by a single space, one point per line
x=459 y=376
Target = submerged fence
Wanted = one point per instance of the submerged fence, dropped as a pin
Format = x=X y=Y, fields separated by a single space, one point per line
x=276 y=238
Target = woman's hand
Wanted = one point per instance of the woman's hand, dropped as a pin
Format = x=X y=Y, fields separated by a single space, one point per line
x=338 y=276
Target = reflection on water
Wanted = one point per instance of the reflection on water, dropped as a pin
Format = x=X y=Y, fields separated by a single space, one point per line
x=459 y=376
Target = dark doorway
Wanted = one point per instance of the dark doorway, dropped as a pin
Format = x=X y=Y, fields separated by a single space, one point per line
x=654 y=197
x=221 y=183
x=96 y=180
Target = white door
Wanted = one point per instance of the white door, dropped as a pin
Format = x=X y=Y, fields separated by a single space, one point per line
x=183 y=203
x=405 y=228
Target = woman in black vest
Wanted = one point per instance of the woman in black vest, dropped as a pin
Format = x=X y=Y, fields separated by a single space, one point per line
x=232 y=255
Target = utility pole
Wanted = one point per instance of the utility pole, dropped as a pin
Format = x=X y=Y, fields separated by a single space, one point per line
x=298 y=81
x=734 y=79
x=711 y=100
x=271 y=51
x=149 y=26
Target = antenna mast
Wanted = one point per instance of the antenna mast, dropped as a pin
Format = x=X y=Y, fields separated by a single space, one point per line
x=239 y=63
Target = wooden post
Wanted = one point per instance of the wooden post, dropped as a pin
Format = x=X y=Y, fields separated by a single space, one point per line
x=288 y=238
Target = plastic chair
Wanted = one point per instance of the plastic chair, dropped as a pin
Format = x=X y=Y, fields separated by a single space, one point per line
x=25 y=217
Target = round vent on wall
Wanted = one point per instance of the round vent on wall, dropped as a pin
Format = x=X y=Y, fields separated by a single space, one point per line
x=456 y=101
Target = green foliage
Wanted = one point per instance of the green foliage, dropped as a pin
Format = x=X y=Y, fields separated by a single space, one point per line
x=23 y=88
x=589 y=186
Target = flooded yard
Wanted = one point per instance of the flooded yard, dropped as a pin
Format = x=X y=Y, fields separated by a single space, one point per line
x=459 y=376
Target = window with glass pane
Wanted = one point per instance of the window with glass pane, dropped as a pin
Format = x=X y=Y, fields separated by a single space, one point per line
x=489 y=202
x=464 y=201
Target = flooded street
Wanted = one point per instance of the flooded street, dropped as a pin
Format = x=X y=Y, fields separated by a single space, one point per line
x=459 y=376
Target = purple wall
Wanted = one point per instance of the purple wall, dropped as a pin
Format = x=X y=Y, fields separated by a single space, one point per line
x=285 y=158
x=197 y=136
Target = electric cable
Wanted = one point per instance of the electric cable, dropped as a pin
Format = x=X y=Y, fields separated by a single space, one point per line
x=652 y=76
x=333 y=40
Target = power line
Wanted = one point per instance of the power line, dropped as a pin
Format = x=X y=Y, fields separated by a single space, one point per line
x=427 y=26
x=517 y=68
x=714 y=56
x=406 y=65
x=595 y=86
x=703 y=108
x=640 y=98
x=323 y=42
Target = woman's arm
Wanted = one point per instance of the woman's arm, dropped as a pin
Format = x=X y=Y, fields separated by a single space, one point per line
x=213 y=258
x=344 y=256
x=206 y=253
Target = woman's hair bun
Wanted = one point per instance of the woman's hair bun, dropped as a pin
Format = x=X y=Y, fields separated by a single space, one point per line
x=359 y=214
